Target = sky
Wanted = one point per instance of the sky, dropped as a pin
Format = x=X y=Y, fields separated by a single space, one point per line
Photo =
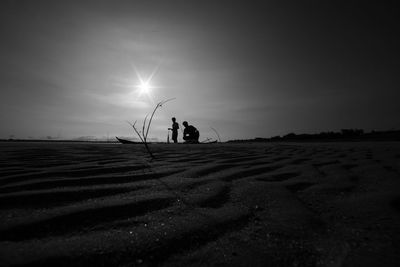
x=245 y=68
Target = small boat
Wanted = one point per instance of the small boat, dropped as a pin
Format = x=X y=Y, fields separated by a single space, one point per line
x=123 y=141
x=211 y=142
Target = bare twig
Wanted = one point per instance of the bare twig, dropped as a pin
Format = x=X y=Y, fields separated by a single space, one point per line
x=134 y=128
x=219 y=138
x=146 y=127
x=159 y=105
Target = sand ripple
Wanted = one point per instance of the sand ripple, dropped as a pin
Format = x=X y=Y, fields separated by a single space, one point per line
x=329 y=204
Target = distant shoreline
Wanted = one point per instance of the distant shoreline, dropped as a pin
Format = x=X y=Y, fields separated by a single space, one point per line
x=346 y=135
x=55 y=141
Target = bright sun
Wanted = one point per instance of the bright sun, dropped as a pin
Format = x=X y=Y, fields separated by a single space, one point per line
x=144 y=88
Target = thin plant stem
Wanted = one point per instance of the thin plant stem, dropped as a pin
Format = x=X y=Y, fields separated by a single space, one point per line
x=219 y=138
x=143 y=136
x=144 y=126
x=159 y=104
x=143 y=140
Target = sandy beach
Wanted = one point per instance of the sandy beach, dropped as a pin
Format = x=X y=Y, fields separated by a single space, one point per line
x=270 y=204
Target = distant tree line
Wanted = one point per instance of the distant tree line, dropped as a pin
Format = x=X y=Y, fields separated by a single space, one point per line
x=343 y=135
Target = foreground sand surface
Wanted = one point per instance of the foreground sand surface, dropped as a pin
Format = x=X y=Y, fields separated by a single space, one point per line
x=312 y=204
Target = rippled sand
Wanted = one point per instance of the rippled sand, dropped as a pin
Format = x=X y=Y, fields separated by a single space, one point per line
x=312 y=204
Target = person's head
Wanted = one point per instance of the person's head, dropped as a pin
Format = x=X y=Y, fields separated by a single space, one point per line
x=185 y=123
x=173 y=119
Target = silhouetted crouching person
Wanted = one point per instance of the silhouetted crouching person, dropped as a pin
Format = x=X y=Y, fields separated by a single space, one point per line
x=190 y=133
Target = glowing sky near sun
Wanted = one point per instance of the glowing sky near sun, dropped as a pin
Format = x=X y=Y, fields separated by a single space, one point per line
x=246 y=69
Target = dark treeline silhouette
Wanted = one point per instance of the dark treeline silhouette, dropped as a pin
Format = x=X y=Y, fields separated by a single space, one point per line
x=343 y=135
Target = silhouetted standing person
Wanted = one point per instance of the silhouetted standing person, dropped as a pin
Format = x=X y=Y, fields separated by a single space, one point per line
x=174 y=129
x=190 y=133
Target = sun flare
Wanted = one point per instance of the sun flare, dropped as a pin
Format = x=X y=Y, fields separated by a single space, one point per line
x=144 y=88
